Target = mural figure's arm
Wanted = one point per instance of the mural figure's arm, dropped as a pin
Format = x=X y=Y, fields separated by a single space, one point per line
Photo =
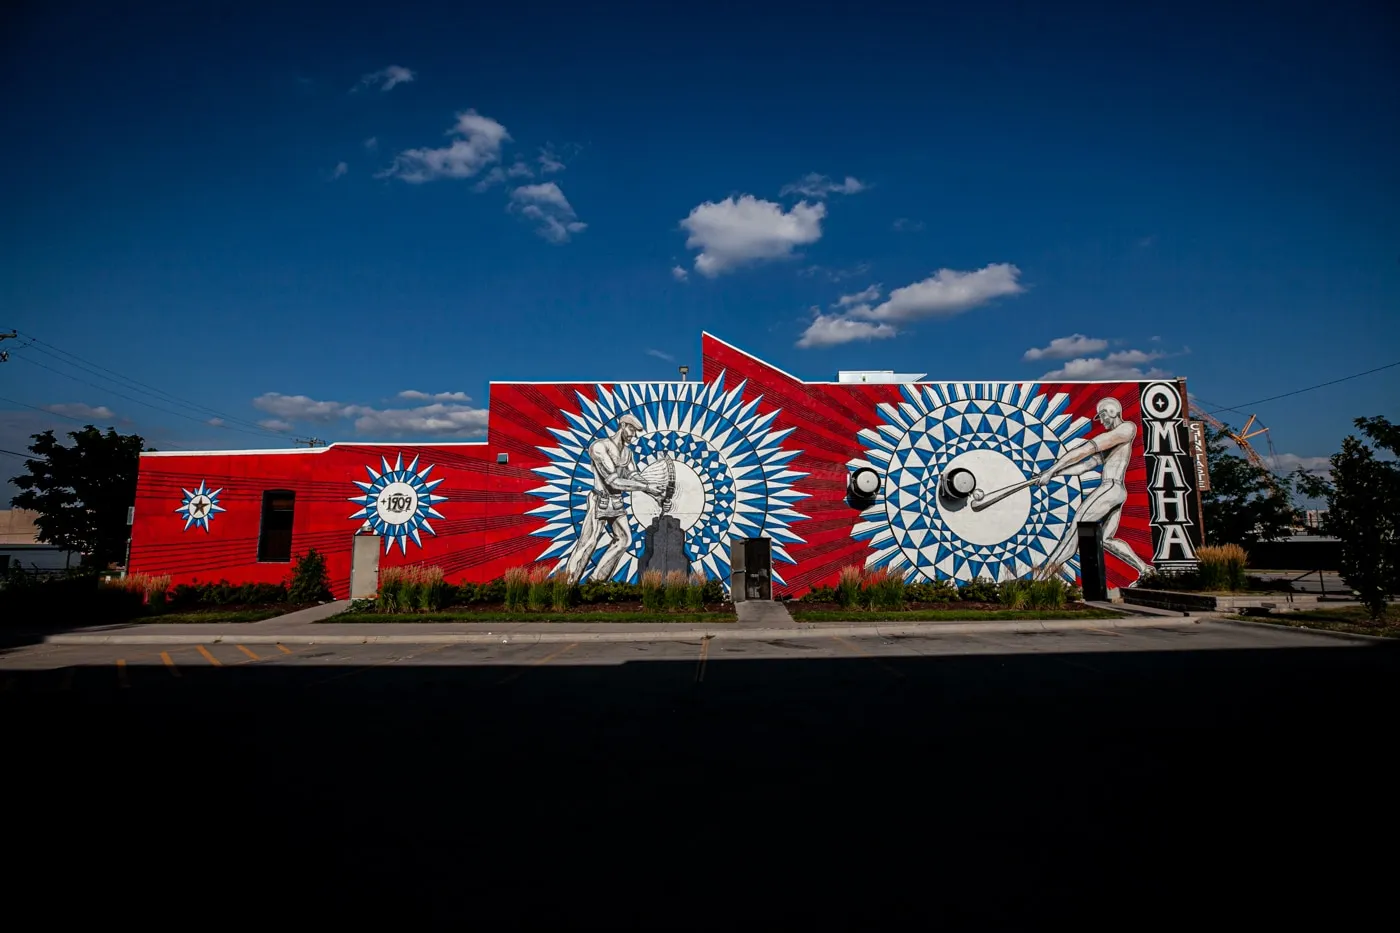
x=618 y=477
x=1090 y=455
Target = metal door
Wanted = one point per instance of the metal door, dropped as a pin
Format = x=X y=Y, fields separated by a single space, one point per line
x=364 y=567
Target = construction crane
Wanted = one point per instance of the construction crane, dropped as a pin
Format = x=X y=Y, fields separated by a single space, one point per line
x=1253 y=428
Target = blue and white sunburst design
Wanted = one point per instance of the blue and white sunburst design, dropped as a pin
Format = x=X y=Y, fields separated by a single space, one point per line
x=1005 y=433
x=398 y=501
x=722 y=444
x=199 y=506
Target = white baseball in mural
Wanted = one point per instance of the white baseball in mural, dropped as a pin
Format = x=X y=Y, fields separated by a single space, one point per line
x=999 y=521
x=397 y=504
x=687 y=501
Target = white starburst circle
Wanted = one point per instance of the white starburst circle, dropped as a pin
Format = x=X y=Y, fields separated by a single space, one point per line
x=398 y=501
x=1003 y=434
x=731 y=473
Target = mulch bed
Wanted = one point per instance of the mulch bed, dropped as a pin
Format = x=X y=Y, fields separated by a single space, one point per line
x=959 y=605
x=582 y=610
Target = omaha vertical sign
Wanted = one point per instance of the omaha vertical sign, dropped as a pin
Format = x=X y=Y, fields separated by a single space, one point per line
x=1171 y=478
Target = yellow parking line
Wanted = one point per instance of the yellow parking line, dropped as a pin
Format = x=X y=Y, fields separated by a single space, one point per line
x=1104 y=631
x=283 y=648
x=248 y=652
x=169 y=664
x=209 y=657
x=857 y=649
x=121 y=673
x=704 y=656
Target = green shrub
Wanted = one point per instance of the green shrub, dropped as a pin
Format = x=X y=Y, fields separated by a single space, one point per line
x=517 y=588
x=310 y=581
x=939 y=591
x=562 y=592
x=712 y=591
x=1014 y=594
x=673 y=590
x=1050 y=593
x=883 y=590
x=848 y=586
x=819 y=594
x=695 y=593
x=981 y=590
x=652 y=591
x=609 y=591
x=541 y=591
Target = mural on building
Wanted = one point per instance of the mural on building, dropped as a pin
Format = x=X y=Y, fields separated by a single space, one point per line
x=1009 y=438
x=199 y=506
x=397 y=502
x=609 y=480
x=664 y=475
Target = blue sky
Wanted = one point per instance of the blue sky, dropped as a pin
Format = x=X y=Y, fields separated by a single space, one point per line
x=287 y=213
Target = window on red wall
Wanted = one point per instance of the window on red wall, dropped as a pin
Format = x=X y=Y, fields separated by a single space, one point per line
x=275 y=538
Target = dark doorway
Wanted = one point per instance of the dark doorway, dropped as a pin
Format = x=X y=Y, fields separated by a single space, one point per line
x=1092 y=574
x=751 y=569
x=275 y=537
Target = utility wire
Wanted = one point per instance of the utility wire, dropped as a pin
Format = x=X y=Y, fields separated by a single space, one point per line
x=138 y=401
x=1320 y=385
x=13 y=454
x=54 y=414
x=67 y=358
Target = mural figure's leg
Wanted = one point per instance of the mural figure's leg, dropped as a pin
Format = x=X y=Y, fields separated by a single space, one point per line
x=1119 y=548
x=622 y=540
x=588 y=535
x=1104 y=504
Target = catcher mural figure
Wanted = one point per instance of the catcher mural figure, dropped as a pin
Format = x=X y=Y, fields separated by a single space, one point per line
x=1109 y=452
x=614 y=472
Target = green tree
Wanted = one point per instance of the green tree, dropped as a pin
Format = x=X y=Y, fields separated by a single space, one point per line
x=1246 y=503
x=1363 y=511
x=82 y=492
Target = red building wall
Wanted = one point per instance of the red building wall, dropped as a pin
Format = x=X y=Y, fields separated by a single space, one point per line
x=790 y=449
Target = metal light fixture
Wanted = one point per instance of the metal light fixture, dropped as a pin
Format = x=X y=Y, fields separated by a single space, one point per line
x=685 y=371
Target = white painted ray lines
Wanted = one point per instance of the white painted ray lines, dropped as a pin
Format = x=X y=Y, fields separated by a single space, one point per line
x=398 y=501
x=726 y=440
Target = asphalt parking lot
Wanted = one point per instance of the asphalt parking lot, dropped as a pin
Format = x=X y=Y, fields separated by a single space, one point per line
x=993 y=778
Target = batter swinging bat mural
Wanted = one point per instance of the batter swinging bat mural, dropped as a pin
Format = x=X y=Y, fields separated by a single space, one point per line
x=604 y=481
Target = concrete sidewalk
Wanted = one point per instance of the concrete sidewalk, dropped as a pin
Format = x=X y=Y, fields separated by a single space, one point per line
x=468 y=633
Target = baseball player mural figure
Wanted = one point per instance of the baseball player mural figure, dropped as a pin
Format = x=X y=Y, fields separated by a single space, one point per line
x=614 y=472
x=1109 y=451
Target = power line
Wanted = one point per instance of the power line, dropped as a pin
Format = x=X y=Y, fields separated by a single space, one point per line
x=1320 y=385
x=138 y=401
x=13 y=454
x=55 y=414
x=68 y=358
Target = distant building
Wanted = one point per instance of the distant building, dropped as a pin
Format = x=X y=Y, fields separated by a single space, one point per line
x=20 y=545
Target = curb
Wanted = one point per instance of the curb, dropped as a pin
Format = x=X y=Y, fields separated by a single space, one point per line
x=729 y=633
x=1344 y=636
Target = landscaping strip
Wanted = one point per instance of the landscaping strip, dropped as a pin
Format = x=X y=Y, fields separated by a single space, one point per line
x=632 y=618
x=1347 y=620
x=946 y=615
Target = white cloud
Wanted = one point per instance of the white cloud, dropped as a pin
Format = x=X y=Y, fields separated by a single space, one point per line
x=733 y=232
x=341 y=169
x=80 y=410
x=835 y=275
x=944 y=294
x=908 y=225
x=859 y=298
x=447 y=414
x=215 y=422
x=814 y=185
x=387 y=78
x=1287 y=463
x=413 y=395
x=679 y=274
x=520 y=170
x=1064 y=348
x=477 y=146
x=660 y=355
x=1124 y=365
x=549 y=162
x=546 y=205
x=828 y=330
x=372 y=143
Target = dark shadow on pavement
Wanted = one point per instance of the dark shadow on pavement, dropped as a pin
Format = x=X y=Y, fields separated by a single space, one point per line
x=988 y=791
